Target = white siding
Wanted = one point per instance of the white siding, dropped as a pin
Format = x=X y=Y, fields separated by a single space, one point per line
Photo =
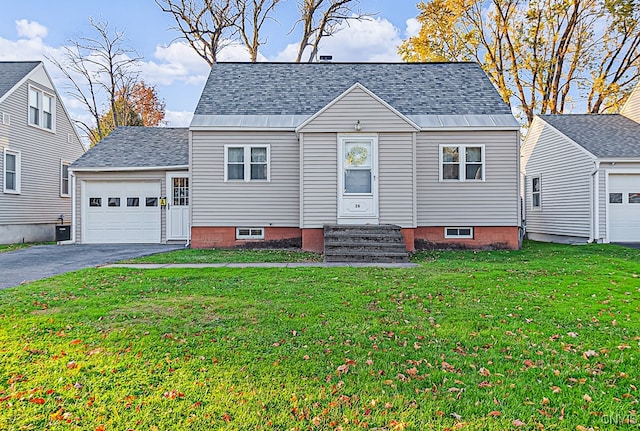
x=396 y=177
x=116 y=177
x=358 y=105
x=41 y=154
x=493 y=202
x=607 y=169
x=319 y=179
x=566 y=183
x=631 y=109
x=216 y=203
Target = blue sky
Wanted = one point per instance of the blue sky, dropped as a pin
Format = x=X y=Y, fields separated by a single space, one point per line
x=31 y=29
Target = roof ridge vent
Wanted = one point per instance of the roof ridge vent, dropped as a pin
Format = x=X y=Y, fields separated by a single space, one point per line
x=326 y=58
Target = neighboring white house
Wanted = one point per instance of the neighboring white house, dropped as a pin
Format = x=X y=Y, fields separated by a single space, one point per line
x=582 y=176
x=38 y=143
x=279 y=150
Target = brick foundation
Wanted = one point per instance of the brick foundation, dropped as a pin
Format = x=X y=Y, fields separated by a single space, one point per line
x=409 y=239
x=495 y=237
x=225 y=237
x=313 y=240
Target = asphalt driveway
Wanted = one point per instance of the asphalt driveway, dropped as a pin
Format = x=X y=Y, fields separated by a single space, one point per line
x=42 y=261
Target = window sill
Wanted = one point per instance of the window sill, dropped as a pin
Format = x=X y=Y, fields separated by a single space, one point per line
x=12 y=192
x=44 y=129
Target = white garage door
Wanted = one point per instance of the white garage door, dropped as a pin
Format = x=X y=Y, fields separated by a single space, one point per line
x=121 y=212
x=624 y=208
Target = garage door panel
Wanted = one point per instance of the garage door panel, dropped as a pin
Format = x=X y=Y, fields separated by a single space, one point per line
x=132 y=221
x=624 y=208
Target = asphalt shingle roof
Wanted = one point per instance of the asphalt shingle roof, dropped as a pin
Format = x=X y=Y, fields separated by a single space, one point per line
x=306 y=88
x=139 y=147
x=11 y=72
x=604 y=136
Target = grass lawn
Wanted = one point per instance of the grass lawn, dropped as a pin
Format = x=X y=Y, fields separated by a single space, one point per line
x=546 y=338
x=224 y=256
x=18 y=246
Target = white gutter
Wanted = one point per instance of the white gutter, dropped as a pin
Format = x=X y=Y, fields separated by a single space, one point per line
x=595 y=203
x=130 y=169
x=73 y=207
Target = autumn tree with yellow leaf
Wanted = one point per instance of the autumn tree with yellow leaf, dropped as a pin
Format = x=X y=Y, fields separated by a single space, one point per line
x=544 y=56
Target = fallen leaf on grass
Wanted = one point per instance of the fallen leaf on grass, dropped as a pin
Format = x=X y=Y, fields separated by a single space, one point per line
x=518 y=423
x=494 y=414
x=37 y=400
x=587 y=398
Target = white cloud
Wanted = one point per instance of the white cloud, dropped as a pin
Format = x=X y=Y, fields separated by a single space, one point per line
x=413 y=27
x=31 y=29
x=177 y=118
x=368 y=40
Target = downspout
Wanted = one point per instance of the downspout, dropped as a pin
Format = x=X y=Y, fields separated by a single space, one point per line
x=595 y=202
x=73 y=207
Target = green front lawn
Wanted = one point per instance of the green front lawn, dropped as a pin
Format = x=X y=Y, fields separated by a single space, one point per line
x=546 y=338
x=18 y=246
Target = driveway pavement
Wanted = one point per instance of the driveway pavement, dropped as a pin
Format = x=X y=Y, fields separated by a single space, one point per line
x=42 y=261
x=629 y=244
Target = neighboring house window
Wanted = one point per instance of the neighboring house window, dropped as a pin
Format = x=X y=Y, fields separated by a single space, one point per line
x=41 y=109
x=535 y=193
x=64 y=178
x=11 y=171
x=462 y=163
x=249 y=233
x=458 y=232
x=615 y=198
x=246 y=163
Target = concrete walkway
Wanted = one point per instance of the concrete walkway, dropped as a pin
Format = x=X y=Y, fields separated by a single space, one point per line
x=262 y=265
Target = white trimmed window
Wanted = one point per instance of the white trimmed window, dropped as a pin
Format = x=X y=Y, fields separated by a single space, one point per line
x=246 y=163
x=536 y=193
x=64 y=179
x=42 y=108
x=11 y=171
x=461 y=162
x=249 y=233
x=458 y=232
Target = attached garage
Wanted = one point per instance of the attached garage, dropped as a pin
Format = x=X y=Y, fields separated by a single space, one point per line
x=624 y=208
x=121 y=212
x=133 y=187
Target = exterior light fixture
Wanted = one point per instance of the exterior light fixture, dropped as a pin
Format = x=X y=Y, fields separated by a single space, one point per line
x=357 y=127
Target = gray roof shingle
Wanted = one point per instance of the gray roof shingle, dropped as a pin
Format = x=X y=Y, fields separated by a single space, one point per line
x=11 y=72
x=139 y=147
x=603 y=135
x=306 y=88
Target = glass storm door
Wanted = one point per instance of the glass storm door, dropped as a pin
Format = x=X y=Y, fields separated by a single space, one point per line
x=177 y=206
x=357 y=182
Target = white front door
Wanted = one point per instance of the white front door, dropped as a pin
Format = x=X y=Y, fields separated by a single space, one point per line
x=177 y=206
x=358 y=179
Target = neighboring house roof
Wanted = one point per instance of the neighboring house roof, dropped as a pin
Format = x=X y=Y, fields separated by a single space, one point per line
x=12 y=72
x=286 y=94
x=603 y=135
x=138 y=147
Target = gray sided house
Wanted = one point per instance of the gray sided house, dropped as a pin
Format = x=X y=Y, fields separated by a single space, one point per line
x=133 y=187
x=582 y=176
x=280 y=150
x=38 y=143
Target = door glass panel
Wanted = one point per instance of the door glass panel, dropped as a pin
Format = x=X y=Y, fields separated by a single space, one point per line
x=180 y=191
x=634 y=198
x=615 y=198
x=357 y=181
x=357 y=154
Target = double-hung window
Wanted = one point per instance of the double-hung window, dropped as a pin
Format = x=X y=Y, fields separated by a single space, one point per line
x=41 y=109
x=536 y=193
x=246 y=163
x=11 y=172
x=64 y=178
x=462 y=162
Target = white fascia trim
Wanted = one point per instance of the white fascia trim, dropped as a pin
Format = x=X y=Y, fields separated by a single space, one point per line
x=240 y=129
x=122 y=169
x=471 y=129
x=571 y=141
x=632 y=95
x=370 y=93
x=620 y=160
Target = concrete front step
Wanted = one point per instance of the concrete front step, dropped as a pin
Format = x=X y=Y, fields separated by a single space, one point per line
x=364 y=243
